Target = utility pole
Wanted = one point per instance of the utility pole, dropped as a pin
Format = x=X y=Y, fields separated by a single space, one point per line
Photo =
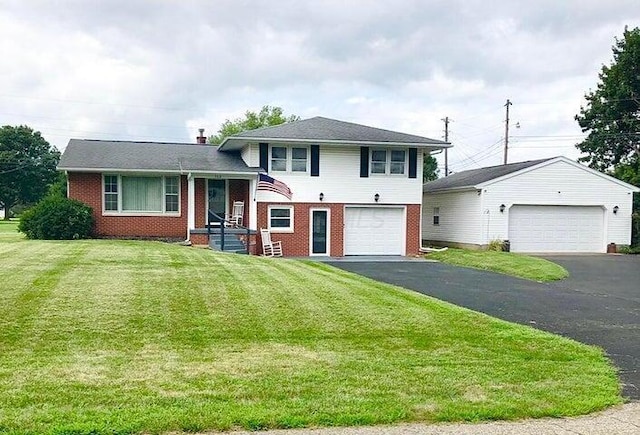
x=506 y=132
x=446 y=139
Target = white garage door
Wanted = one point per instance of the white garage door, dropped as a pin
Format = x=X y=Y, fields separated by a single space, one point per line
x=543 y=228
x=374 y=231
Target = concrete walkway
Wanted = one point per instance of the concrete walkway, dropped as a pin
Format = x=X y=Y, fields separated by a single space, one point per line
x=621 y=420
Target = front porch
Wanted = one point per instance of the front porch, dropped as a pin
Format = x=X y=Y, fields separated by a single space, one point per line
x=210 y=200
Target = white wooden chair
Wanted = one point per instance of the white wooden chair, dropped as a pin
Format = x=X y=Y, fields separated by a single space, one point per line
x=270 y=248
x=237 y=213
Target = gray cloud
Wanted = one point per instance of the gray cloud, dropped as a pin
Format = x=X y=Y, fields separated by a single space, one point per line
x=158 y=69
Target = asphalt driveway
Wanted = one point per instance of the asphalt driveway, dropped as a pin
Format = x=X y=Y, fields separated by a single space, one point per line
x=598 y=304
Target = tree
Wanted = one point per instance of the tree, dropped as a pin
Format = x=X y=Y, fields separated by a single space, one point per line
x=612 y=113
x=429 y=168
x=267 y=117
x=27 y=166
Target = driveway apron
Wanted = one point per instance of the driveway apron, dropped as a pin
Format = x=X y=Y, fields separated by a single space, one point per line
x=598 y=304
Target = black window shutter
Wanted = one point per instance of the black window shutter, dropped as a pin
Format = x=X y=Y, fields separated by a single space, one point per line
x=364 y=162
x=264 y=156
x=315 y=160
x=413 y=162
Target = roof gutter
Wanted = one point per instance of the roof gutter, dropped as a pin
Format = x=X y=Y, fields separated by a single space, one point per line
x=180 y=171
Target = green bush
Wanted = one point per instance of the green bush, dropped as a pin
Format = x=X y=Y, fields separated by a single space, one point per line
x=495 y=245
x=635 y=230
x=56 y=218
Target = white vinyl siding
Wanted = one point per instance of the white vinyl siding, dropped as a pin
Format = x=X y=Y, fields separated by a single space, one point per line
x=559 y=183
x=458 y=215
x=374 y=231
x=472 y=217
x=340 y=182
x=250 y=155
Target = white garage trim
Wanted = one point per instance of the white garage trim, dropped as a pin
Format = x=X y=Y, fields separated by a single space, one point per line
x=375 y=230
x=557 y=228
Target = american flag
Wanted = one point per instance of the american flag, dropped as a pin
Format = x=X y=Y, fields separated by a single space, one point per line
x=272 y=185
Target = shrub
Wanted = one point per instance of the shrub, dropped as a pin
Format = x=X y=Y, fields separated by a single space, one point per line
x=495 y=245
x=57 y=218
x=635 y=230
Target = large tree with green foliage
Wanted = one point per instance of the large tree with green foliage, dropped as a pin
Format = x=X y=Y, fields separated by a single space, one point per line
x=611 y=116
x=266 y=117
x=27 y=166
x=429 y=168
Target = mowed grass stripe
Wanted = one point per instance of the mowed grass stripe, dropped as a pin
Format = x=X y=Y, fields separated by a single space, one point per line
x=150 y=337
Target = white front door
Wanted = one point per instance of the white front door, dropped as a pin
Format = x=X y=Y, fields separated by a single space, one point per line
x=374 y=230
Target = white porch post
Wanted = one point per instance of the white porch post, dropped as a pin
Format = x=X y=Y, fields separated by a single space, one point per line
x=253 y=204
x=191 y=205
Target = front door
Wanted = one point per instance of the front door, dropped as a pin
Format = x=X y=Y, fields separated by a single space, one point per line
x=217 y=195
x=319 y=232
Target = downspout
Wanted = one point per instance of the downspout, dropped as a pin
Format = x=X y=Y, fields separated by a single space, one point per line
x=191 y=195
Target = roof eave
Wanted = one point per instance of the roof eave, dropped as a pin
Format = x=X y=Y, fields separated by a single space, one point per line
x=184 y=171
x=451 y=189
x=238 y=142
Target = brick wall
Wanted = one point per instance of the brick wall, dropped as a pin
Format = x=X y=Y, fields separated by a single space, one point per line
x=413 y=241
x=239 y=191
x=87 y=187
x=200 y=190
x=297 y=243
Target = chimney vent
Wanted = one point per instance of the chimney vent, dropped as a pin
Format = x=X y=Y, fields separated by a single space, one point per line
x=201 y=139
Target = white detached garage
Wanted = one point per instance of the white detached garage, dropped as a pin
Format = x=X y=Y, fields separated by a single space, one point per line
x=549 y=205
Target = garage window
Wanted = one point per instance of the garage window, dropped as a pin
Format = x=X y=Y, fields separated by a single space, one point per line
x=436 y=215
x=281 y=218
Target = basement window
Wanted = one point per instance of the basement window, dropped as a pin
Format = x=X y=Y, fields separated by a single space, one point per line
x=281 y=218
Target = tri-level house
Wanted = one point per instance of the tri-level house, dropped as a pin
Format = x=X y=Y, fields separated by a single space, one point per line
x=354 y=190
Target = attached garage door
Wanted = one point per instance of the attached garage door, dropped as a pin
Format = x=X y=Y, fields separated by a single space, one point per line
x=374 y=231
x=543 y=228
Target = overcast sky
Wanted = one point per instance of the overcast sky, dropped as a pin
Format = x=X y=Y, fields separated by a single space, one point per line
x=159 y=70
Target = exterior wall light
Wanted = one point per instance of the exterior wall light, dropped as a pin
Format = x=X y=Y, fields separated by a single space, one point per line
x=615 y=209
x=376 y=197
x=321 y=197
x=502 y=207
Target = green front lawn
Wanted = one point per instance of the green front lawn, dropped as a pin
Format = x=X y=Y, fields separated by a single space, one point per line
x=100 y=336
x=521 y=266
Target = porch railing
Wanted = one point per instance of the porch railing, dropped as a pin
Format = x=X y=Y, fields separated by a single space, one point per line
x=222 y=222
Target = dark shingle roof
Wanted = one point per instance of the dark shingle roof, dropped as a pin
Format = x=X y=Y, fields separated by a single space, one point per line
x=327 y=130
x=473 y=177
x=149 y=156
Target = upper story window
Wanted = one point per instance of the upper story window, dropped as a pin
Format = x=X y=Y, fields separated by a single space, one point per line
x=278 y=158
x=140 y=194
x=391 y=161
x=398 y=161
x=298 y=159
x=289 y=159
